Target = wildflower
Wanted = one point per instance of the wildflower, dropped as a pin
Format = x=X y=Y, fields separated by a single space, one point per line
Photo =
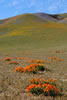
x=7 y=59
x=48 y=89
x=58 y=59
x=52 y=57
x=19 y=69
x=13 y=62
x=31 y=86
x=36 y=61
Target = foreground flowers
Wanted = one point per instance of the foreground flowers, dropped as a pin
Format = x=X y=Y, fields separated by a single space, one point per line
x=31 y=68
x=42 y=81
x=45 y=87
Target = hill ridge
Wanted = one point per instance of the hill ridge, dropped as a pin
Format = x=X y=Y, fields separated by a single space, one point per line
x=44 y=16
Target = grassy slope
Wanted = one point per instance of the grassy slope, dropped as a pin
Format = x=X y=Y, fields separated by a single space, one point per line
x=64 y=15
x=28 y=32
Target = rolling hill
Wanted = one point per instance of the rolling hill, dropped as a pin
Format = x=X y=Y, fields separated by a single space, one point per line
x=33 y=32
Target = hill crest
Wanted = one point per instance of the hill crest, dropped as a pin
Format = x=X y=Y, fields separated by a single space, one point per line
x=61 y=18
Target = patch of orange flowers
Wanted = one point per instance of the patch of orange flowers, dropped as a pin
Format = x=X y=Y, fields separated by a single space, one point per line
x=35 y=81
x=32 y=86
x=39 y=61
x=21 y=58
x=57 y=59
x=47 y=87
x=19 y=69
x=13 y=62
x=52 y=57
x=36 y=61
x=38 y=81
x=32 y=68
x=7 y=59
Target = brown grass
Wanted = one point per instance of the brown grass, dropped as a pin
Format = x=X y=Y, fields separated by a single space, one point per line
x=13 y=85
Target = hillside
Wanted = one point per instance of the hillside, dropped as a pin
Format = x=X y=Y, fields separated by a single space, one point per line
x=31 y=32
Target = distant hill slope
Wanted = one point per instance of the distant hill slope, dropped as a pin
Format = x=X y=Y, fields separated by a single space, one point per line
x=44 y=16
x=31 y=31
x=54 y=18
x=62 y=18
